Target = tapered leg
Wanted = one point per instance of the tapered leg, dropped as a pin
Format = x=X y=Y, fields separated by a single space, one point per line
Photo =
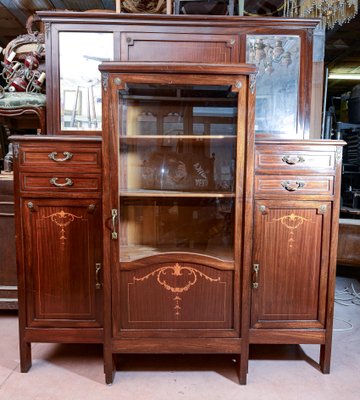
x=25 y=356
x=109 y=367
x=325 y=357
x=243 y=368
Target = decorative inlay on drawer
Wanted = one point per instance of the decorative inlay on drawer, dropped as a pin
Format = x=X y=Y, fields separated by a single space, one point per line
x=294 y=185
x=285 y=159
x=60 y=182
x=61 y=156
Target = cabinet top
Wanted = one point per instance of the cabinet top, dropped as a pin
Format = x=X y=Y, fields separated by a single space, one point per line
x=178 y=68
x=108 y=16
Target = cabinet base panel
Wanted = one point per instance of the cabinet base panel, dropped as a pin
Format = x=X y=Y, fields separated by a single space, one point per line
x=186 y=346
x=64 y=335
x=273 y=336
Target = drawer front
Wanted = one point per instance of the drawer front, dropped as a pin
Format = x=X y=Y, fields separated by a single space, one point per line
x=61 y=156
x=294 y=185
x=60 y=182
x=285 y=159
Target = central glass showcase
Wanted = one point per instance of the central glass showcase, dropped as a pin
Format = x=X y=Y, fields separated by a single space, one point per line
x=177 y=167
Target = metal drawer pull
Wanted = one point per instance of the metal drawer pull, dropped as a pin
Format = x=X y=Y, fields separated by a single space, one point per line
x=114 y=214
x=98 y=285
x=292 y=160
x=67 y=156
x=292 y=186
x=68 y=182
x=255 y=281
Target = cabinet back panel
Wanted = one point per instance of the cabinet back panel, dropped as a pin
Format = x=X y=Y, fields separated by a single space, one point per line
x=179 y=47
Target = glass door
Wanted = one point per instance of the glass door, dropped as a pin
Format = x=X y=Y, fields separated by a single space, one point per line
x=177 y=170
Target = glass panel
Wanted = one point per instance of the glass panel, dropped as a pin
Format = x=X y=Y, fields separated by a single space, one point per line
x=170 y=164
x=80 y=80
x=177 y=170
x=171 y=111
x=277 y=83
x=151 y=226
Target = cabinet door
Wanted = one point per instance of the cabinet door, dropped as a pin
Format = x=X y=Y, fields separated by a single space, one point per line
x=62 y=256
x=290 y=268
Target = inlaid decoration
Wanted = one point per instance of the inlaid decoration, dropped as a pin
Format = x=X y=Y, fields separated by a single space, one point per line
x=62 y=219
x=176 y=270
x=292 y=222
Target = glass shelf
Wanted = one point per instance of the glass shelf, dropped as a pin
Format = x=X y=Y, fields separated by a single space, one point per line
x=141 y=138
x=133 y=253
x=168 y=193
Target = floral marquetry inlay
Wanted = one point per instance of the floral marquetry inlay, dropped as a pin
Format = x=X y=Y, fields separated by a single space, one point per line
x=62 y=219
x=177 y=271
x=291 y=222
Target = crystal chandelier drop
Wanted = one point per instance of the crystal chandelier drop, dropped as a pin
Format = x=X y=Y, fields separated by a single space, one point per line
x=264 y=55
x=331 y=12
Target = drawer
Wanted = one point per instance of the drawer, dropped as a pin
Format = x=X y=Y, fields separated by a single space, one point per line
x=294 y=185
x=286 y=159
x=62 y=182
x=61 y=156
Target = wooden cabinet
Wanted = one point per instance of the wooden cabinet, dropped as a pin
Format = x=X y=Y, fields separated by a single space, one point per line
x=295 y=233
x=175 y=142
x=148 y=220
x=60 y=254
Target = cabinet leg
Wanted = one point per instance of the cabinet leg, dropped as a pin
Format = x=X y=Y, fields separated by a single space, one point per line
x=109 y=368
x=242 y=368
x=25 y=356
x=325 y=355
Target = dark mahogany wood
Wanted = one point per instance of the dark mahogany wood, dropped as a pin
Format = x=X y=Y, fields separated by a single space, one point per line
x=169 y=296
x=59 y=247
x=295 y=241
x=63 y=299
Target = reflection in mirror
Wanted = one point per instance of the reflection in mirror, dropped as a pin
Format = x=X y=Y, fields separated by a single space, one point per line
x=80 y=80
x=277 y=82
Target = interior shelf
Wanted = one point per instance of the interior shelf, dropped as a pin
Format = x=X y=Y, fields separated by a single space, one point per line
x=178 y=137
x=136 y=252
x=169 y=193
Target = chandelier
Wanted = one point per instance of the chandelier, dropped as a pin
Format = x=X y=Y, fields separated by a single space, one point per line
x=331 y=12
x=264 y=55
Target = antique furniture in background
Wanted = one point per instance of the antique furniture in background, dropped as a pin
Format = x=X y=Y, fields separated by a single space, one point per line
x=279 y=290
x=349 y=241
x=8 y=280
x=23 y=70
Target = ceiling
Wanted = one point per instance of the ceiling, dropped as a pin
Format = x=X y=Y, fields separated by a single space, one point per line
x=342 y=51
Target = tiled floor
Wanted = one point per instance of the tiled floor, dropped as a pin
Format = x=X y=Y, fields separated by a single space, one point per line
x=75 y=372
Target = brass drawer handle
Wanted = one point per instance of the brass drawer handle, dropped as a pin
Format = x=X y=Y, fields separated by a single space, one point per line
x=292 y=160
x=68 y=182
x=67 y=156
x=292 y=186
